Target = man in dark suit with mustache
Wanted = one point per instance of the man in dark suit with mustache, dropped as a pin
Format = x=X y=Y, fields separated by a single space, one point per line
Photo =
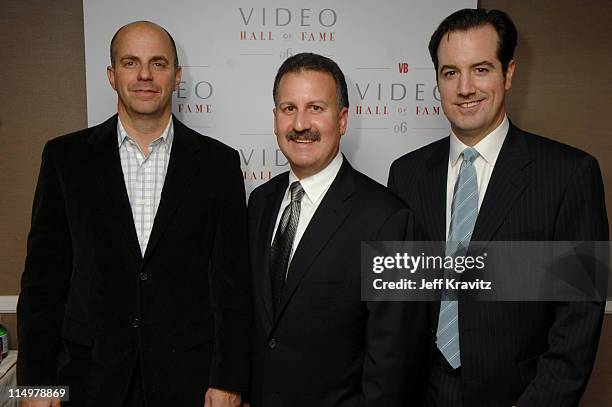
x=315 y=342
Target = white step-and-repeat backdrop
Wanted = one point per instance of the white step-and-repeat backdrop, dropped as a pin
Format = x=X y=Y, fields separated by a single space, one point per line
x=231 y=50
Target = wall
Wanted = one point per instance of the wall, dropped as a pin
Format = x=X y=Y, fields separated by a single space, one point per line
x=562 y=89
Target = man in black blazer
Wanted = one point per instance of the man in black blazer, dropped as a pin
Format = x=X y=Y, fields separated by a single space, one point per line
x=135 y=288
x=529 y=188
x=315 y=342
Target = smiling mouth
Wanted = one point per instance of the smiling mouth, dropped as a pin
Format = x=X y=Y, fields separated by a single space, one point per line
x=467 y=105
x=146 y=91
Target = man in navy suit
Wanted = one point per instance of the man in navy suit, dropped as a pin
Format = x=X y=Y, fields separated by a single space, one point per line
x=519 y=186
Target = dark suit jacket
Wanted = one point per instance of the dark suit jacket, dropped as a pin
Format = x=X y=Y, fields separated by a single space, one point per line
x=326 y=347
x=530 y=354
x=91 y=304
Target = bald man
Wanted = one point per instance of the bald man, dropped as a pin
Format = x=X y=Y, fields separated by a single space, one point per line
x=135 y=290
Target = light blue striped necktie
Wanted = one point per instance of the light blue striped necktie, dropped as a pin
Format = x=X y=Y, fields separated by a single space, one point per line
x=464 y=211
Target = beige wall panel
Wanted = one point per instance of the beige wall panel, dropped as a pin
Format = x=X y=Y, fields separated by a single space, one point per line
x=43 y=96
x=562 y=87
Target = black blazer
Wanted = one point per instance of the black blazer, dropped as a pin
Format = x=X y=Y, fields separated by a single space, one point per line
x=326 y=347
x=91 y=305
x=530 y=354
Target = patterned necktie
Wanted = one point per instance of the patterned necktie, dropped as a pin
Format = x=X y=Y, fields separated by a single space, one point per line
x=464 y=211
x=283 y=242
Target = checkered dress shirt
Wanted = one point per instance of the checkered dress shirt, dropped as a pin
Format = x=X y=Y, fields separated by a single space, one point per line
x=144 y=177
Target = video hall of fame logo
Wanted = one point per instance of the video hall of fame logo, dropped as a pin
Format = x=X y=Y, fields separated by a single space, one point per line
x=383 y=98
x=280 y=23
x=194 y=97
x=261 y=164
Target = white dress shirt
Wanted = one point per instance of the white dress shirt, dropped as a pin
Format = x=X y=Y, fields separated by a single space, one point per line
x=144 y=177
x=488 y=149
x=315 y=188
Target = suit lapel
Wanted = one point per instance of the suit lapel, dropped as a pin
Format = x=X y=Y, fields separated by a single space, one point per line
x=433 y=189
x=507 y=183
x=182 y=169
x=109 y=174
x=272 y=203
x=328 y=217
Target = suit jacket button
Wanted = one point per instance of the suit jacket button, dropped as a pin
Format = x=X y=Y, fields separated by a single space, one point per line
x=144 y=276
x=136 y=322
x=272 y=343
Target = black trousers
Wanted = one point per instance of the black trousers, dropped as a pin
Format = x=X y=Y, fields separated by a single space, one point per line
x=135 y=394
x=444 y=387
x=73 y=358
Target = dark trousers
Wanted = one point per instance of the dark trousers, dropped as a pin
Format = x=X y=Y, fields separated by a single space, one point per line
x=135 y=394
x=75 y=361
x=444 y=387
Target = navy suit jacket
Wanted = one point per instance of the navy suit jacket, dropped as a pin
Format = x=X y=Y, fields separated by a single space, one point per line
x=530 y=354
x=326 y=347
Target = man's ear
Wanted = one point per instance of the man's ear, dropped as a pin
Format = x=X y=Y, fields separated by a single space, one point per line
x=178 y=74
x=343 y=120
x=509 y=75
x=110 y=72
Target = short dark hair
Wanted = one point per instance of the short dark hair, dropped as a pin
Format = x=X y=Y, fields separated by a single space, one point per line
x=466 y=19
x=112 y=43
x=307 y=61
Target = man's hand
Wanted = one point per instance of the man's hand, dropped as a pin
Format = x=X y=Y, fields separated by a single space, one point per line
x=40 y=403
x=220 y=398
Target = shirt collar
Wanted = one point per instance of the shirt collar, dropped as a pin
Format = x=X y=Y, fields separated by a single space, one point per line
x=488 y=148
x=166 y=136
x=316 y=185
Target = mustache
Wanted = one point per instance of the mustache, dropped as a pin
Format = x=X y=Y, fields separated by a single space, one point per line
x=309 y=135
